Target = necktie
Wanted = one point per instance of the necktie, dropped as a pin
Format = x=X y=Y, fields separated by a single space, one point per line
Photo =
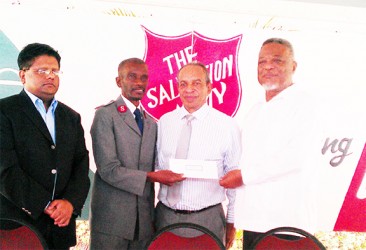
x=138 y=119
x=174 y=192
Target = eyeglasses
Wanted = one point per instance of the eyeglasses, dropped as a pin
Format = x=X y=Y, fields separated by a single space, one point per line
x=46 y=72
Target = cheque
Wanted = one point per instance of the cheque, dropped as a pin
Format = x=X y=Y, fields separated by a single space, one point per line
x=203 y=169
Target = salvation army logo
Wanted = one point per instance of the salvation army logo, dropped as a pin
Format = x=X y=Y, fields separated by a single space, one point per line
x=352 y=217
x=165 y=55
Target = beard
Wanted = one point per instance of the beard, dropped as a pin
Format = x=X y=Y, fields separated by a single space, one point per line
x=270 y=86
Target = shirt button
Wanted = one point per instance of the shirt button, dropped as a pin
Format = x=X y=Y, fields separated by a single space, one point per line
x=53 y=146
x=53 y=171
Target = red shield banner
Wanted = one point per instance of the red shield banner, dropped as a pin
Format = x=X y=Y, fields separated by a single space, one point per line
x=165 y=55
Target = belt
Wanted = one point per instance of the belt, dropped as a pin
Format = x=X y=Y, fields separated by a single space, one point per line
x=189 y=211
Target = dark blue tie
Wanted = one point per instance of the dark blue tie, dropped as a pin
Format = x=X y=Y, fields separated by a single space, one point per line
x=138 y=119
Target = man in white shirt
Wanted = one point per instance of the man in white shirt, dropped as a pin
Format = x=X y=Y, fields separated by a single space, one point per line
x=214 y=137
x=278 y=175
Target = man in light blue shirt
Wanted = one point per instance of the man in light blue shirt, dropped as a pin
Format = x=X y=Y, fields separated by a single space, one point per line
x=44 y=162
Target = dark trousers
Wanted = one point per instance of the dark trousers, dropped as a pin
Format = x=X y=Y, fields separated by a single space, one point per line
x=212 y=218
x=56 y=237
x=249 y=237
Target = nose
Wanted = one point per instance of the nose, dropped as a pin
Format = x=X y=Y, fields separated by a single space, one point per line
x=189 y=88
x=269 y=65
x=51 y=75
x=138 y=82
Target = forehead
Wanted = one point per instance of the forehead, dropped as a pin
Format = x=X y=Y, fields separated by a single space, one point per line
x=274 y=50
x=191 y=71
x=45 y=60
x=135 y=67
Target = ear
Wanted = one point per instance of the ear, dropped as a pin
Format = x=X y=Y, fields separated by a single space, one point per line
x=118 y=81
x=294 y=66
x=209 y=87
x=22 y=76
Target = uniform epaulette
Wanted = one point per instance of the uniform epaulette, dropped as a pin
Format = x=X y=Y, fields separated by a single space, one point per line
x=104 y=105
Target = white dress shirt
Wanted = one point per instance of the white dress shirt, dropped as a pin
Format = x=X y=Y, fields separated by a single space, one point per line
x=215 y=136
x=131 y=107
x=280 y=146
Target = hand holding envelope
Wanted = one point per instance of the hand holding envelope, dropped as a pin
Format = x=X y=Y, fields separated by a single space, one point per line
x=166 y=177
x=202 y=169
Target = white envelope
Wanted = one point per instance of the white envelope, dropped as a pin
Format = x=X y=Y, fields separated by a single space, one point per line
x=195 y=168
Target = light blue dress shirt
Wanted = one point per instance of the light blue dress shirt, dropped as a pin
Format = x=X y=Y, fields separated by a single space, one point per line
x=48 y=116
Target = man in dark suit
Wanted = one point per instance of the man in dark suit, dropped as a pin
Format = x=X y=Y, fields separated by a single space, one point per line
x=44 y=162
x=124 y=136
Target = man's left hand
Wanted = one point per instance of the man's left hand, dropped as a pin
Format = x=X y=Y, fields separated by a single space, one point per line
x=232 y=179
x=230 y=235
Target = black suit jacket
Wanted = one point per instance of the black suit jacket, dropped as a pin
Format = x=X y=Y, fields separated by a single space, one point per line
x=29 y=161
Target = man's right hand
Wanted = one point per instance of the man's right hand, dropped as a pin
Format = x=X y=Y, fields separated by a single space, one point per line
x=165 y=177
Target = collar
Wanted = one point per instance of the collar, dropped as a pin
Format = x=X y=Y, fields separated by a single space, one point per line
x=36 y=100
x=286 y=93
x=130 y=105
x=198 y=114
